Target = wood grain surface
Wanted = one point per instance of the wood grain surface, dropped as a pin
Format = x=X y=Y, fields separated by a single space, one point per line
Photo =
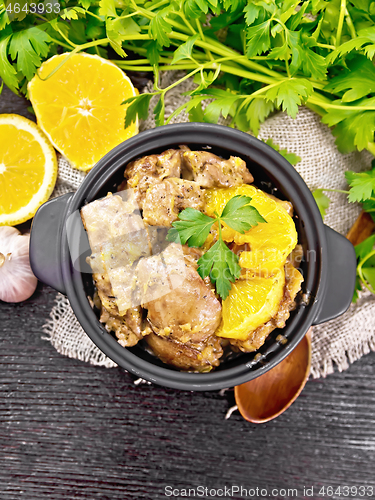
x=70 y=431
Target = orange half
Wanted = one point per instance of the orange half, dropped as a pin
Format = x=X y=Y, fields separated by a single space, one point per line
x=79 y=107
x=28 y=169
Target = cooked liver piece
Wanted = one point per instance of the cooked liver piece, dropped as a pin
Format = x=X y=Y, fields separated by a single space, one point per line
x=190 y=311
x=200 y=357
x=164 y=201
x=130 y=328
x=209 y=170
x=150 y=170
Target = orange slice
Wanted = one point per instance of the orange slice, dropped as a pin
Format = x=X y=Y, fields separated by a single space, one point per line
x=79 y=107
x=251 y=303
x=265 y=246
x=28 y=169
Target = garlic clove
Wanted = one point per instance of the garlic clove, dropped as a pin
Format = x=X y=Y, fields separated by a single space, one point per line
x=17 y=281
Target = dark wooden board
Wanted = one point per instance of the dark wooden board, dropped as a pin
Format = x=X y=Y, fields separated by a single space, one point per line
x=69 y=430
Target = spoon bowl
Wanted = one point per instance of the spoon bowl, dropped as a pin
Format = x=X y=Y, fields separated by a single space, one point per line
x=266 y=397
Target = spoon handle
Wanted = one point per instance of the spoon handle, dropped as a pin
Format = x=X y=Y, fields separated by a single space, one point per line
x=362 y=228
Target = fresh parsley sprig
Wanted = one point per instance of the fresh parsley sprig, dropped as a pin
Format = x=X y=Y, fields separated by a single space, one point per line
x=219 y=263
x=365 y=253
x=361 y=189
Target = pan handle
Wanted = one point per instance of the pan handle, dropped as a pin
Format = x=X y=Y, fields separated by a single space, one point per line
x=45 y=241
x=341 y=270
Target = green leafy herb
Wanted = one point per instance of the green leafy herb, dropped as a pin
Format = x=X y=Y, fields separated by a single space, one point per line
x=28 y=46
x=256 y=113
x=7 y=71
x=267 y=54
x=219 y=263
x=160 y=27
x=137 y=106
x=259 y=39
x=184 y=50
x=366 y=265
x=192 y=228
x=362 y=185
x=322 y=201
x=292 y=158
x=289 y=94
x=362 y=189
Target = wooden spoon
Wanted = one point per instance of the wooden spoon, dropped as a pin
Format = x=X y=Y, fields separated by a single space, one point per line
x=266 y=397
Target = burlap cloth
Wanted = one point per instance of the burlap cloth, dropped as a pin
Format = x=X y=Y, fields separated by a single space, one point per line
x=336 y=343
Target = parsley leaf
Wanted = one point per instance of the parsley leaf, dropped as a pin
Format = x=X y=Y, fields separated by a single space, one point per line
x=72 y=12
x=107 y=8
x=160 y=27
x=366 y=267
x=290 y=93
x=258 y=39
x=117 y=31
x=219 y=262
x=322 y=201
x=193 y=227
x=153 y=52
x=357 y=288
x=313 y=64
x=224 y=103
x=354 y=129
x=159 y=111
x=257 y=112
x=368 y=273
x=221 y=265
x=364 y=248
x=205 y=78
x=292 y=158
x=362 y=185
x=138 y=105
x=365 y=36
x=27 y=46
x=7 y=71
x=239 y=215
x=358 y=81
x=252 y=12
x=193 y=10
x=184 y=50
x=4 y=19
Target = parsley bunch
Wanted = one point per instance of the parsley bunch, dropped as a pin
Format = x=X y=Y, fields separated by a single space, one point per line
x=219 y=263
x=248 y=56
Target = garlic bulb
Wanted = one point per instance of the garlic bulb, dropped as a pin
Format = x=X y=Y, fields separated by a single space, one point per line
x=17 y=281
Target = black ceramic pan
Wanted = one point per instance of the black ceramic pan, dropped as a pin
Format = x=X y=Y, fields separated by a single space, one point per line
x=328 y=267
